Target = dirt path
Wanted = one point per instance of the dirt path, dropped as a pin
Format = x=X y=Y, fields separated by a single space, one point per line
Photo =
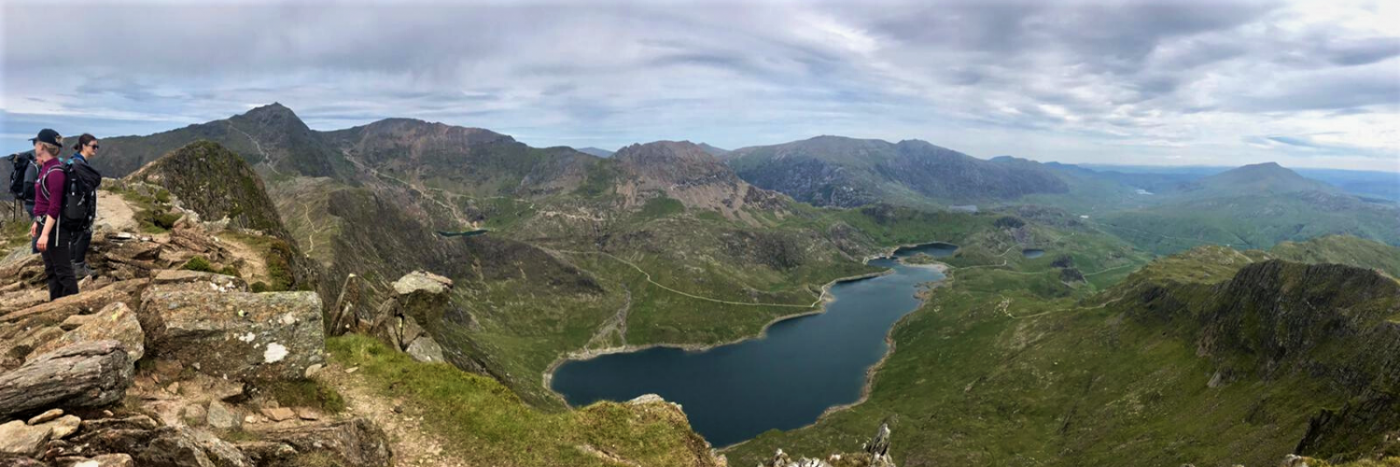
x=411 y=444
x=616 y=324
x=254 y=267
x=114 y=211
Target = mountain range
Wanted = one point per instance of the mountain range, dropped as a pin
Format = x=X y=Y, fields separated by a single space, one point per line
x=1143 y=338
x=846 y=172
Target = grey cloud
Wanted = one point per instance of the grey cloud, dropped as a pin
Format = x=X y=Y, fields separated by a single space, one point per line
x=1362 y=52
x=733 y=74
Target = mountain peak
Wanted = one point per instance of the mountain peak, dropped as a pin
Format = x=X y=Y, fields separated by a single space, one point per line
x=1268 y=177
x=714 y=151
x=273 y=109
x=677 y=150
x=672 y=162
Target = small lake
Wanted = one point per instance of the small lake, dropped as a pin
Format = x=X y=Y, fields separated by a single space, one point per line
x=783 y=381
x=1033 y=253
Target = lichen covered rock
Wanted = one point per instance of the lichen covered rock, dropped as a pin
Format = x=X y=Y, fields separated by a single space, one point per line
x=247 y=336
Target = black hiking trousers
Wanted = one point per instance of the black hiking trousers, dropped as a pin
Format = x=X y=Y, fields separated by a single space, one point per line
x=59 y=266
x=79 y=248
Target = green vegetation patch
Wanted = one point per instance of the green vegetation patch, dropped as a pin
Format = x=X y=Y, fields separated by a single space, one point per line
x=1001 y=366
x=487 y=424
x=305 y=393
x=661 y=207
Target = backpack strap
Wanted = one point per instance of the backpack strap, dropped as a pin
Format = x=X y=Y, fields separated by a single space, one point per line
x=44 y=179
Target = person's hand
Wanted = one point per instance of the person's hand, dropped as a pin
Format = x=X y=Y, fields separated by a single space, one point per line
x=33 y=229
x=44 y=242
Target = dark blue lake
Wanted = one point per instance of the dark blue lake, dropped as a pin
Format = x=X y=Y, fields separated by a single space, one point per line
x=784 y=380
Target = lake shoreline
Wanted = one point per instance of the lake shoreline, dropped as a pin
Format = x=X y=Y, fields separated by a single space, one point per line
x=585 y=355
x=922 y=293
x=821 y=307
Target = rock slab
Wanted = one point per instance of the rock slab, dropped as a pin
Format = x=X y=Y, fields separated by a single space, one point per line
x=88 y=374
x=238 y=335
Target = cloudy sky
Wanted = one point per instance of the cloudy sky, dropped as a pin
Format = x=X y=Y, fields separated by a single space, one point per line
x=1307 y=84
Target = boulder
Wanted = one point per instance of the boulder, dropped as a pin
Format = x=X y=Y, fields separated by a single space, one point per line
x=21 y=439
x=116 y=322
x=425 y=349
x=353 y=443
x=239 y=335
x=222 y=417
x=17 y=342
x=419 y=298
x=422 y=295
x=88 y=374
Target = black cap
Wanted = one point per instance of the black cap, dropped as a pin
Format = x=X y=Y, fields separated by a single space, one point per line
x=48 y=136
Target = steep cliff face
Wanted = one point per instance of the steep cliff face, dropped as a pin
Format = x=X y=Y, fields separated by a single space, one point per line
x=1329 y=323
x=1332 y=328
x=686 y=172
x=462 y=160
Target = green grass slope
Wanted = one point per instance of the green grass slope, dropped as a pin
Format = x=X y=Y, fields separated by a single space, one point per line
x=1211 y=357
x=488 y=425
x=1254 y=221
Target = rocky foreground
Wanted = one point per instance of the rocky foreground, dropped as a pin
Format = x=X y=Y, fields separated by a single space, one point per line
x=158 y=365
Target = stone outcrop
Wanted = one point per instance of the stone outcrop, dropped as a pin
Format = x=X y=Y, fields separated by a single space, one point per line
x=115 y=322
x=874 y=454
x=89 y=374
x=212 y=351
x=419 y=297
x=353 y=443
x=240 y=335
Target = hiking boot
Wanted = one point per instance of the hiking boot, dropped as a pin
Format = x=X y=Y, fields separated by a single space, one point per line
x=81 y=270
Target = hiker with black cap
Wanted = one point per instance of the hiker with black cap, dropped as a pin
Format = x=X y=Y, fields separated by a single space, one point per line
x=52 y=239
x=81 y=200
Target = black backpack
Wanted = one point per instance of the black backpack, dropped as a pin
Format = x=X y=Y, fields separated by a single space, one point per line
x=19 y=164
x=80 y=194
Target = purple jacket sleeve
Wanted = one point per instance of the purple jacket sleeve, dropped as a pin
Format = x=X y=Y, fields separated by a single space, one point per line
x=53 y=205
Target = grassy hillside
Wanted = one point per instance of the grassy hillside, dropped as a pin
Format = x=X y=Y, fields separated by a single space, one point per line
x=489 y=425
x=1254 y=221
x=1342 y=249
x=1187 y=360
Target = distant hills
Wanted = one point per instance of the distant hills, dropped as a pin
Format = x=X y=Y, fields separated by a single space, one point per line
x=600 y=152
x=1257 y=179
x=847 y=172
x=592 y=151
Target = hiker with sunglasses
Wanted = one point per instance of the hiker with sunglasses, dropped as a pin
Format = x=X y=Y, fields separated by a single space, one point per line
x=85 y=180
